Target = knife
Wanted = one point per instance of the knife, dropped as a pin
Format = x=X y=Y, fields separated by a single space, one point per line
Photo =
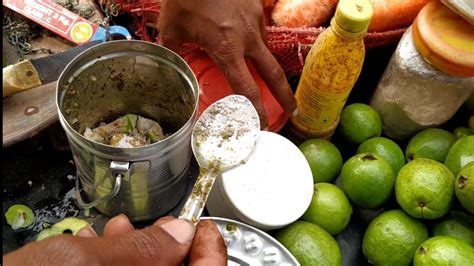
x=32 y=73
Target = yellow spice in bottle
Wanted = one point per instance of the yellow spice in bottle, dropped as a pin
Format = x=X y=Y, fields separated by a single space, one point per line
x=331 y=70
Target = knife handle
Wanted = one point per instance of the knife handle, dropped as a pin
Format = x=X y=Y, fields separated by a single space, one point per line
x=20 y=77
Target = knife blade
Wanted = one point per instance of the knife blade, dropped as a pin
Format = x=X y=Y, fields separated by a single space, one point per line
x=49 y=68
x=32 y=73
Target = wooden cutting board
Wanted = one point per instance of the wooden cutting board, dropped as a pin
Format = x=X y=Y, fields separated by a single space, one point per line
x=28 y=113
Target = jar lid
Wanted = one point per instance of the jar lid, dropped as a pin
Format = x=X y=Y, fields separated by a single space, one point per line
x=273 y=189
x=214 y=86
x=353 y=17
x=445 y=40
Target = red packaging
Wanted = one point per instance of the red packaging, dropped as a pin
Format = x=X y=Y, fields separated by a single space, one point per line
x=214 y=86
x=55 y=18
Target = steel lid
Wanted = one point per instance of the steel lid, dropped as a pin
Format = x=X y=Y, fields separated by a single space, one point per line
x=247 y=245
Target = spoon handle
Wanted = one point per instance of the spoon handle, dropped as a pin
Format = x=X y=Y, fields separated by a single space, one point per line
x=196 y=201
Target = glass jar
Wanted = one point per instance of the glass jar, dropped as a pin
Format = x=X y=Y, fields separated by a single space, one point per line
x=426 y=80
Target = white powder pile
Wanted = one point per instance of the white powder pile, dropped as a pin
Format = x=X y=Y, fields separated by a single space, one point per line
x=226 y=133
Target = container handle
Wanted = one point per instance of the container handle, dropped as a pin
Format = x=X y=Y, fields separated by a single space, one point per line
x=118 y=170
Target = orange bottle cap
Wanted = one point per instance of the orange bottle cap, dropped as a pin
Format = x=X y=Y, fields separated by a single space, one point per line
x=445 y=40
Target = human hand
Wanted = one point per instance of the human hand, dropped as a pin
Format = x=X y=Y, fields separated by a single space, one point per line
x=229 y=31
x=168 y=242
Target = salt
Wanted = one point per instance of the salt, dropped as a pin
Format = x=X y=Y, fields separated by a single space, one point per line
x=413 y=95
x=222 y=132
x=125 y=142
x=224 y=137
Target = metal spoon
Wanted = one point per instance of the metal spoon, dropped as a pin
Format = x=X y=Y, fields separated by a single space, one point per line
x=224 y=137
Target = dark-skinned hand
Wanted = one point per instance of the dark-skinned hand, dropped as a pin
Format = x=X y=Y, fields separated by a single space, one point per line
x=168 y=241
x=229 y=31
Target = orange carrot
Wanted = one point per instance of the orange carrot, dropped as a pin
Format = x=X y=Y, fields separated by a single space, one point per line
x=394 y=14
x=300 y=13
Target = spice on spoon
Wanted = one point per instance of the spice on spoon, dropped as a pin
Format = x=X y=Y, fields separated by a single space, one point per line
x=224 y=137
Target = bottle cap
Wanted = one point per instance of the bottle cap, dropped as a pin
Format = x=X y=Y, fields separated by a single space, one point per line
x=445 y=40
x=352 y=17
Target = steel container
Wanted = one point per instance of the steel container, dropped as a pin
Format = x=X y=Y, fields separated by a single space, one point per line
x=117 y=78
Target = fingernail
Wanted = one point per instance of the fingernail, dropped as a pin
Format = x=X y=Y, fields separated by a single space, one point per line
x=122 y=217
x=295 y=112
x=181 y=230
x=87 y=231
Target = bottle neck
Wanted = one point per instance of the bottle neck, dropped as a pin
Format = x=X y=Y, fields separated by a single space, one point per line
x=346 y=34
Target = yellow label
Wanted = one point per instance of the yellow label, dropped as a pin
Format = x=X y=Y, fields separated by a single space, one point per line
x=81 y=32
x=318 y=109
x=330 y=71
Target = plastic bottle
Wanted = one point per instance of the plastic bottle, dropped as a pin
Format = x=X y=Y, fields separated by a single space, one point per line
x=330 y=71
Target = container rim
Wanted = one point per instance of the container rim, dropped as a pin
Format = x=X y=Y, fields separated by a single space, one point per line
x=112 y=151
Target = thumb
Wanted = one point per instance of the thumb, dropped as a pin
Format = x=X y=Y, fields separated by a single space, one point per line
x=181 y=230
x=208 y=246
x=165 y=244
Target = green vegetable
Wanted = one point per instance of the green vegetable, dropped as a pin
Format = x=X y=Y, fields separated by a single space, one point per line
x=19 y=216
x=69 y=225
x=150 y=135
x=129 y=122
